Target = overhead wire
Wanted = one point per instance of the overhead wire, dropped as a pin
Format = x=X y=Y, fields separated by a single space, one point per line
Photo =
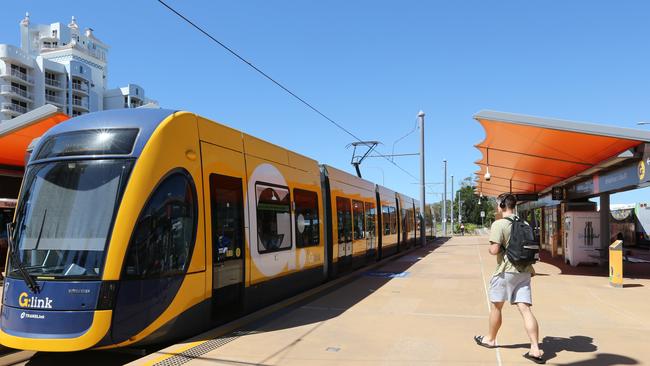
x=277 y=83
x=403 y=137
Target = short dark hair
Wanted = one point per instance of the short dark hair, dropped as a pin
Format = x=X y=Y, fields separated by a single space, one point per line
x=508 y=199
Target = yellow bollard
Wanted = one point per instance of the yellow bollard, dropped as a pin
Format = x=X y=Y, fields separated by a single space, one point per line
x=616 y=264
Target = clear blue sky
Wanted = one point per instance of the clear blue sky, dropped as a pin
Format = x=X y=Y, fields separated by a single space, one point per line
x=372 y=65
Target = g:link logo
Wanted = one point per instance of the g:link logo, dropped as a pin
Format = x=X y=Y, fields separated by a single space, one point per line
x=34 y=302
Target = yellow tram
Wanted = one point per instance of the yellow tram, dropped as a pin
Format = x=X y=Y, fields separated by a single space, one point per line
x=141 y=226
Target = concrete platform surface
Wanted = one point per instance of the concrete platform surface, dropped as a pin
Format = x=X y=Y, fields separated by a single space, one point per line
x=428 y=313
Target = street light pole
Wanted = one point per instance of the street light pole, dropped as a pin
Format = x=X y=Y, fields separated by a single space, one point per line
x=452 y=205
x=444 y=203
x=423 y=232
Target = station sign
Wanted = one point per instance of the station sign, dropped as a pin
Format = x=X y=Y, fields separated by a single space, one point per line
x=626 y=177
x=643 y=168
x=482 y=213
x=526 y=197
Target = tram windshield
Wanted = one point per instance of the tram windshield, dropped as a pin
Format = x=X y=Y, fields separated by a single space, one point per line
x=65 y=216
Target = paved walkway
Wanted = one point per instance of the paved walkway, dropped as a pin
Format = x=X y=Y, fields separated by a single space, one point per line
x=428 y=315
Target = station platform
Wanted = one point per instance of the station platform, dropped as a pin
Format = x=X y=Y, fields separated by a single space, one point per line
x=424 y=308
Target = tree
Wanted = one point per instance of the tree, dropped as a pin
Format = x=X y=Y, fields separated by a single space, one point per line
x=470 y=208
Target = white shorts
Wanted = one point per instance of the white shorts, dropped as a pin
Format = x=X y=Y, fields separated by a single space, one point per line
x=511 y=286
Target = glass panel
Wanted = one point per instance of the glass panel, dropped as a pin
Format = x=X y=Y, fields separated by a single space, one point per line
x=385 y=219
x=65 y=215
x=227 y=217
x=359 y=220
x=90 y=142
x=307 y=223
x=273 y=218
x=164 y=233
x=393 y=220
x=370 y=224
x=344 y=220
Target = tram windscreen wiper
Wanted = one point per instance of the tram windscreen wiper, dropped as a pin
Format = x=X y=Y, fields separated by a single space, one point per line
x=13 y=253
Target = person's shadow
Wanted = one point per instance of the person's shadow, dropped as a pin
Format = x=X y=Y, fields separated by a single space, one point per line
x=551 y=346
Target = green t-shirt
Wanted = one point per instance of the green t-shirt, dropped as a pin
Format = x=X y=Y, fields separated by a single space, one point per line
x=500 y=233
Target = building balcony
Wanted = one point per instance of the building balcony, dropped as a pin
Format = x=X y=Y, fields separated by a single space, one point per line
x=12 y=108
x=80 y=104
x=53 y=83
x=17 y=75
x=55 y=100
x=16 y=92
x=80 y=88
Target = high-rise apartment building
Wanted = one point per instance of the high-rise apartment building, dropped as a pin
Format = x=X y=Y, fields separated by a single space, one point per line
x=60 y=65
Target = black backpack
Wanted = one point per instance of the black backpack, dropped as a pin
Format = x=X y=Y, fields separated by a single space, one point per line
x=522 y=248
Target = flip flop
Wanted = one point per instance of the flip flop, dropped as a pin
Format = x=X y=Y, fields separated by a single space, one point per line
x=538 y=360
x=479 y=341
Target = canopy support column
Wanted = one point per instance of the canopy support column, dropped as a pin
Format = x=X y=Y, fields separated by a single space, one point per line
x=604 y=221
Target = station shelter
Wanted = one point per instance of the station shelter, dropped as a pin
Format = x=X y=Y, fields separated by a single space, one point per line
x=554 y=167
x=15 y=137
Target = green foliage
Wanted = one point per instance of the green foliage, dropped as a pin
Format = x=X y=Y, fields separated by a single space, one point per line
x=470 y=207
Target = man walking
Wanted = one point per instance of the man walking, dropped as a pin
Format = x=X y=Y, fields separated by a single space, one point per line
x=509 y=283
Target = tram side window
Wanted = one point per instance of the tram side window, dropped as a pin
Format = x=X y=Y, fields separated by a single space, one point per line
x=393 y=220
x=227 y=217
x=273 y=218
x=344 y=219
x=359 y=220
x=164 y=234
x=370 y=220
x=385 y=219
x=307 y=223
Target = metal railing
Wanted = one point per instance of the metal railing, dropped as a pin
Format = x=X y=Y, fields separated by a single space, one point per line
x=80 y=103
x=15 y=90
x=53 y=82
x=53 y=99
x=21 y=75
x=13 y=107
x=80 y=87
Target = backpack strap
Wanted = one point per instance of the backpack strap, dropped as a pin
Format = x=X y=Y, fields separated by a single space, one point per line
x=512 y=221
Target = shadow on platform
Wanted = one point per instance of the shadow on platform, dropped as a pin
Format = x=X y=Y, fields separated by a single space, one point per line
x=552 y=346
x=338 y=299
x=630 y=270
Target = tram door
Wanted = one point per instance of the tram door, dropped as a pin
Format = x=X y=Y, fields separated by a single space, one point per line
x=225 y=182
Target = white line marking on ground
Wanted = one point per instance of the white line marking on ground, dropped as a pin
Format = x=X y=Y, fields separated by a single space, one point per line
x=487 y=300
x=416 y=313
x=448 y=315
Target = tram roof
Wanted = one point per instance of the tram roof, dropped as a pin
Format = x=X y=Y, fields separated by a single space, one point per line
x=527 y=154
x=16 y=134
x=144 y=119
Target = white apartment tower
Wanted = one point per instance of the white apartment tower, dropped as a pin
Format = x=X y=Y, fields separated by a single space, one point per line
x=60 y=65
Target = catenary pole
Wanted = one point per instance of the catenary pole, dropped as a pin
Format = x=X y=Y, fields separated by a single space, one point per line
x=444 y=203
x=423 y=238
x=452 y=205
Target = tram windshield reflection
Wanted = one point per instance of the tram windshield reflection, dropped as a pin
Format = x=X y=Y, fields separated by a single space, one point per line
x=65 y=216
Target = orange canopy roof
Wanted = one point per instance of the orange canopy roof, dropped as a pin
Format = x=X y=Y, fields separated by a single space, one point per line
x=530 y=154
x=18 y=133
